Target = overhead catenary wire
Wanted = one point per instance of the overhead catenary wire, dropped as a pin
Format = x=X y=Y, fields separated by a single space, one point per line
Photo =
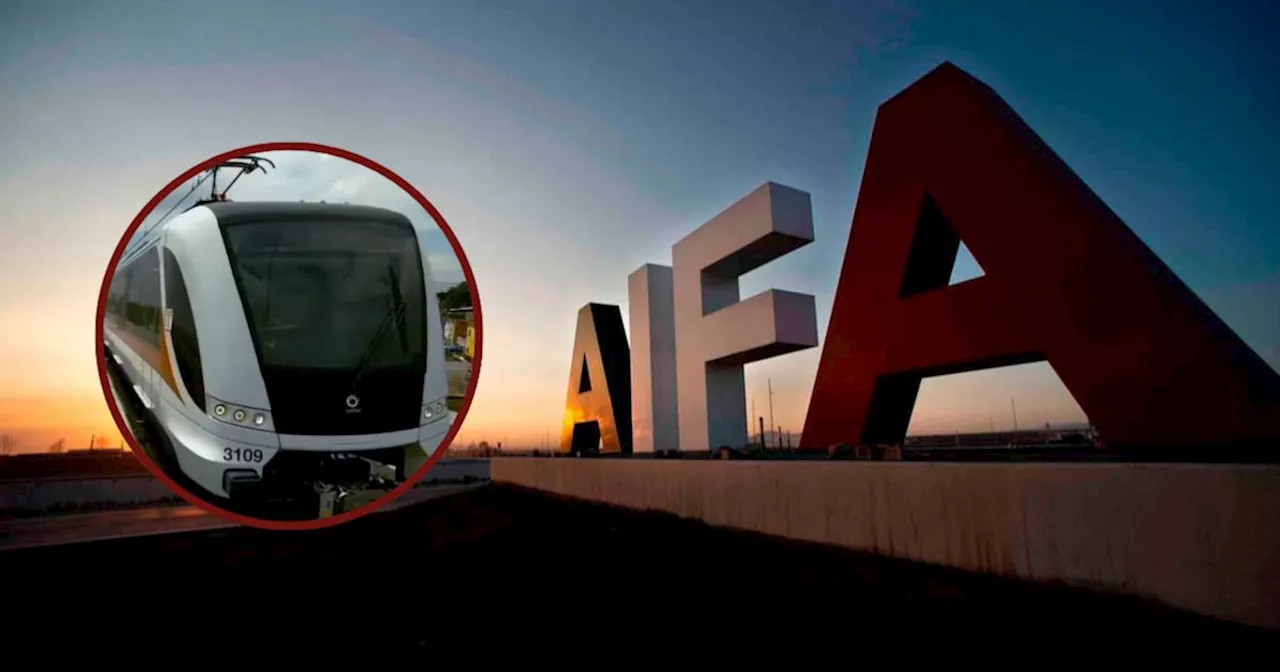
x=247 y=164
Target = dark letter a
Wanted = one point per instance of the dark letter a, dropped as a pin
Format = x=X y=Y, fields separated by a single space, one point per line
x=597 y=411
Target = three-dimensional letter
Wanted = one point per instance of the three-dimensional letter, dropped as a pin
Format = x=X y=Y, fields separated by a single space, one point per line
x=1065 y=280
x=597 y=411
x=654 y=409
x=716 y=333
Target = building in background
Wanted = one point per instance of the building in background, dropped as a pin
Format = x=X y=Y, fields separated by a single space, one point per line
x=460 y=332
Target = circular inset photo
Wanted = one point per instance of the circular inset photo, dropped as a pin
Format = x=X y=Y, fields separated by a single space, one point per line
x=289 y=335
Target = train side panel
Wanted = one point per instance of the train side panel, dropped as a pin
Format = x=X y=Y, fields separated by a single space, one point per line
x=435 y=386
x=129 y=336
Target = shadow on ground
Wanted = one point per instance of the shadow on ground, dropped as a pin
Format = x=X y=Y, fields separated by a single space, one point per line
x=501 y=562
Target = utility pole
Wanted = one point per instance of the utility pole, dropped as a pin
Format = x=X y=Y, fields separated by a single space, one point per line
x=771 y=403
x=1014 y=406
x=753 y=414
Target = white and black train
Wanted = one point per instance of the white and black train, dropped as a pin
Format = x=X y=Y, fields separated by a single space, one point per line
x=280 y=350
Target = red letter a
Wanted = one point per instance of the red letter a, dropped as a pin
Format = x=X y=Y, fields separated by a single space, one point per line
x=1065 y=280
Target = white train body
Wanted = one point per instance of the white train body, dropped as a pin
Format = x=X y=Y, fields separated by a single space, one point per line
x=243 y=329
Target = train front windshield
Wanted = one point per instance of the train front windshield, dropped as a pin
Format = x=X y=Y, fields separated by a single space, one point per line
x=337 y=311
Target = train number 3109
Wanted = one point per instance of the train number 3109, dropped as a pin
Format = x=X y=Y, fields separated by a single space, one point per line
x=242 y=454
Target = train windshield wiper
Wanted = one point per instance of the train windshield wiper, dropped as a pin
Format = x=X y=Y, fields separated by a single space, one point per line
x=395 y=316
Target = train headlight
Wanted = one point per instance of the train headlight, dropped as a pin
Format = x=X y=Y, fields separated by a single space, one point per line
x=434 y=411
x=241 y=416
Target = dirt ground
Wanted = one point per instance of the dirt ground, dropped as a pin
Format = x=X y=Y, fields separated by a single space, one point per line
x=501 y=563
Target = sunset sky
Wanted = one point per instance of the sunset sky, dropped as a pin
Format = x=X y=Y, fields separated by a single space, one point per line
x=569 y=142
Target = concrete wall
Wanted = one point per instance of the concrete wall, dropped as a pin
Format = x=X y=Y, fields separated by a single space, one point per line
x=49 y=495
x=73 y=493
x=1199 y=537
x=456 y=469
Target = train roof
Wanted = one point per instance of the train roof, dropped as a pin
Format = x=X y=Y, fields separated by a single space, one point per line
x=230 y=212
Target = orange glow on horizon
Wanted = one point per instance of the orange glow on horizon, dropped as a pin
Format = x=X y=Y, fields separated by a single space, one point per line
x=523 y=411
x=37 y=422
x=51 y=389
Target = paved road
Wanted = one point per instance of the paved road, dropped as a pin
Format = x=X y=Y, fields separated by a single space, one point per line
x=105 y=525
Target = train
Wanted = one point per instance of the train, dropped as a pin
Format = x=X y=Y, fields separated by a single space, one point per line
x=281 y=351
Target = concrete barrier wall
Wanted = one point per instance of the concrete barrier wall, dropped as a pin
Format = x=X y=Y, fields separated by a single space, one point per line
x=66 y=494
x=48 y=495
x=1200 y=537
x=457 y=469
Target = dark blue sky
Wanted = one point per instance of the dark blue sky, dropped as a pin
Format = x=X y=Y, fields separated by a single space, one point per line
x=1168 y=109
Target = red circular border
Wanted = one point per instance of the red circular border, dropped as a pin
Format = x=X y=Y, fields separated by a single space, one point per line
x=318 y=523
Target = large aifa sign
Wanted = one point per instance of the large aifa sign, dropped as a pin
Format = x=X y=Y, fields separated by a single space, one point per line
x=1065 y=280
